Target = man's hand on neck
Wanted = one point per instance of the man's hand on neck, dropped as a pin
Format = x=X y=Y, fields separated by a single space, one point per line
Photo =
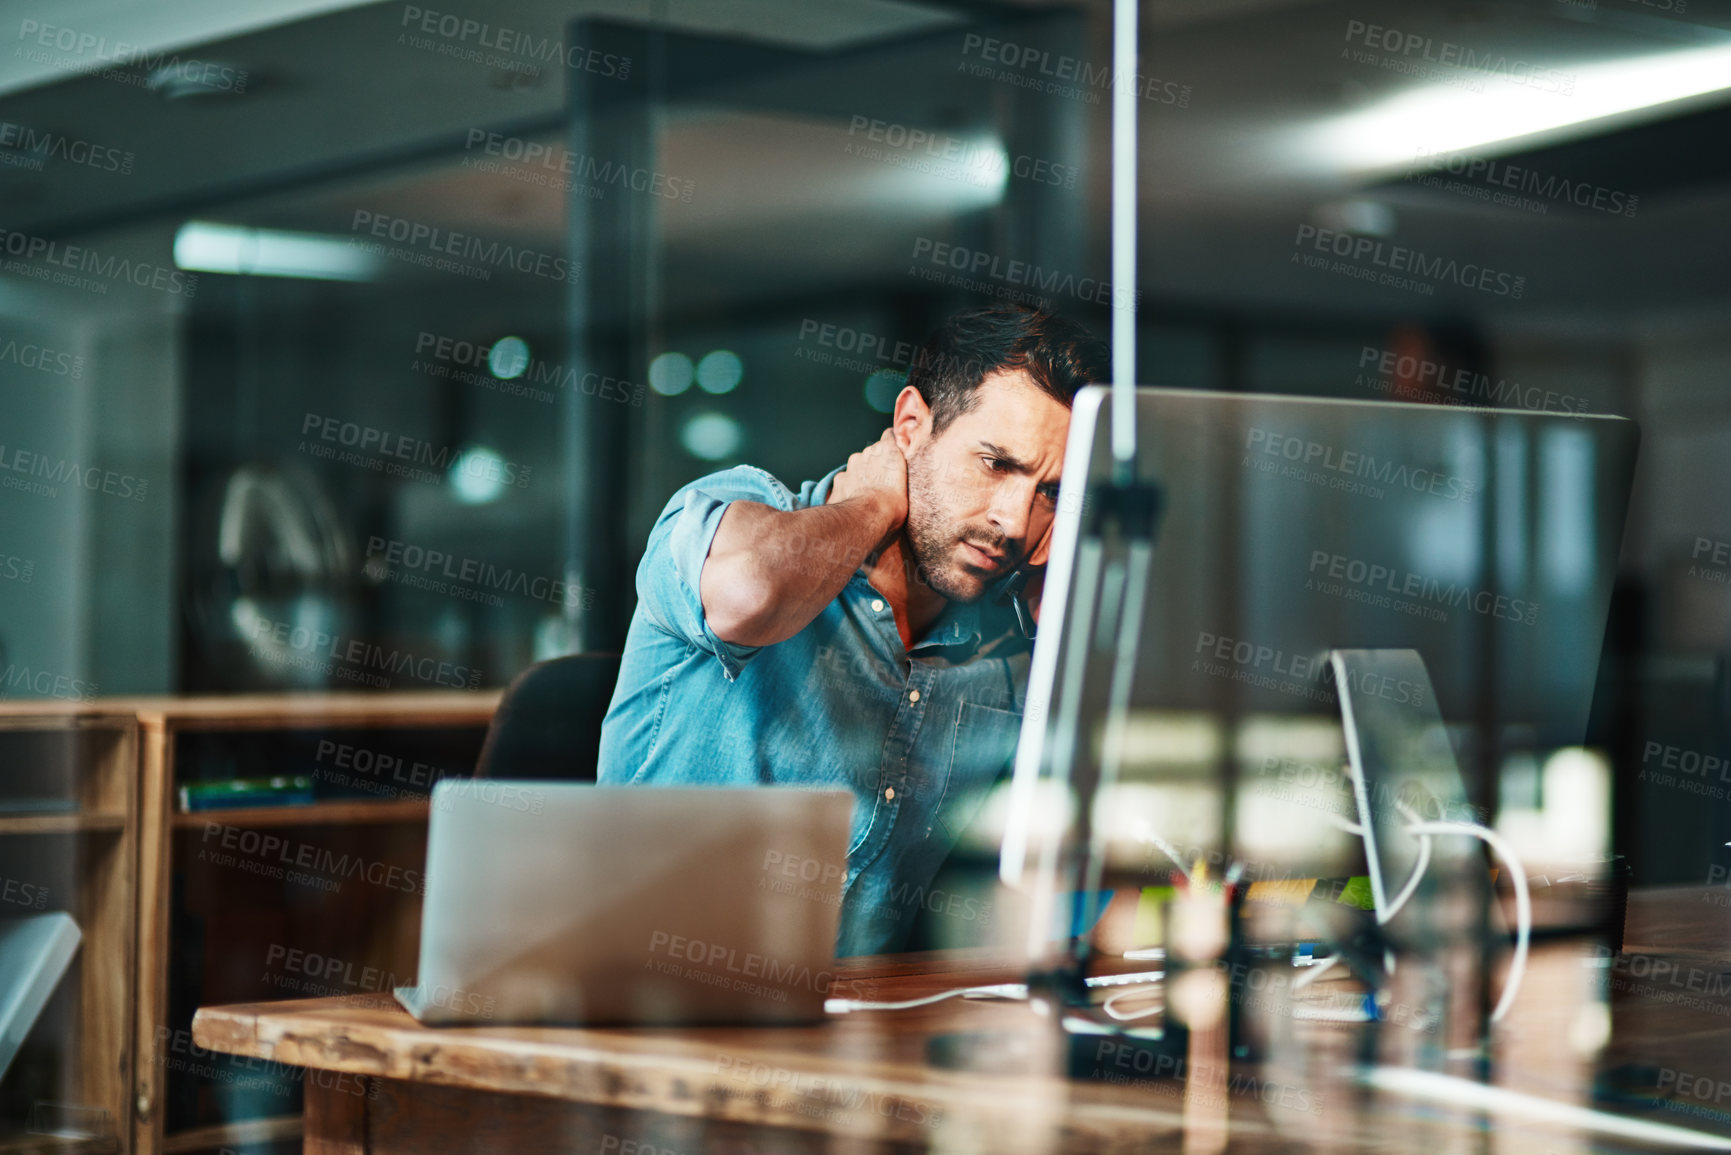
x=876 y=478
x=770 y=572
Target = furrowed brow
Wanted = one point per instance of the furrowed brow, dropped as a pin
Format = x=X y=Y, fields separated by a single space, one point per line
x=1015 y=464
x=1008 y=458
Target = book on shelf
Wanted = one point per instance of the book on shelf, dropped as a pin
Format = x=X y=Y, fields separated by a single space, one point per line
x=30 y=807
x=229 y=793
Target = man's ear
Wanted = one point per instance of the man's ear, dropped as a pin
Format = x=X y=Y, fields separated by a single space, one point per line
x=911 y=420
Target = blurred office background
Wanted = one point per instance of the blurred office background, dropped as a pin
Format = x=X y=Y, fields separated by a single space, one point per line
x=328 y=324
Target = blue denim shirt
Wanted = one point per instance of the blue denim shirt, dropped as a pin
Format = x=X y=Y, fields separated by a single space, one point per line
x=919 y=736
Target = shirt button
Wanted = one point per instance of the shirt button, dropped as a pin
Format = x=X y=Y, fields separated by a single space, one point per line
x=913 y=695
x=889 y=794
x=877 y=605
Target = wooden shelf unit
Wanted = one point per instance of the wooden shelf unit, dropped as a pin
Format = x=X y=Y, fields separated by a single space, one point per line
x=61 y=823
x=84 y=860
x=28 y=1144
x=389 y=928
x=315 y=814
x=270 y=1129
x=119 y=831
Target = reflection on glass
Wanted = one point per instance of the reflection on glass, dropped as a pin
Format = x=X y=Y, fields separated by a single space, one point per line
x=508 y=358
x=719 y=372
x=671 y=374
x=711 y=436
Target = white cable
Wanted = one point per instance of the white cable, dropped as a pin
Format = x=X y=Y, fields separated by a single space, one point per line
x=1340 y=823
x=1407 y=891
x=989 y=991
x=843 y=1006
x=1164 y=847
x=1523 y=900
x=1144 y=989
x=1135 y=978
x=1314 y=972
x=1332 y=1014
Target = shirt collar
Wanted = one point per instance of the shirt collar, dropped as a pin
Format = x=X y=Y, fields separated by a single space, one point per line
x=957 y=624
x=820 y=491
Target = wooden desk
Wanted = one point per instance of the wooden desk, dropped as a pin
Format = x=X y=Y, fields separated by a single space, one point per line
x=380 y=1082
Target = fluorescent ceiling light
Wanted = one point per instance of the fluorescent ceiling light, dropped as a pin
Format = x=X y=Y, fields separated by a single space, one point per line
x=214 y=248
x=946 y=174
x=1445 y=118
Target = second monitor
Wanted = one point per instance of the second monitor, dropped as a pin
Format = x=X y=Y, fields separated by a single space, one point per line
x=1485 y=540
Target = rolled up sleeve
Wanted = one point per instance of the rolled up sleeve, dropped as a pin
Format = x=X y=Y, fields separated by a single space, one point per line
x=668 y=577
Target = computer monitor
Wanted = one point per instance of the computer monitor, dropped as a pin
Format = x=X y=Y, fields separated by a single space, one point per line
x=1485 y=540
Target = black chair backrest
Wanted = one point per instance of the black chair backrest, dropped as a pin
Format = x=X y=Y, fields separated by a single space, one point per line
x=548 y=724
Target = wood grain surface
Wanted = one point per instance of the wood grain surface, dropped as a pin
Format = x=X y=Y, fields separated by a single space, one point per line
x=868 y=1076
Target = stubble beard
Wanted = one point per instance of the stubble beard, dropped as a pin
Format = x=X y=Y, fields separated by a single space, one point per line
x=932 y=538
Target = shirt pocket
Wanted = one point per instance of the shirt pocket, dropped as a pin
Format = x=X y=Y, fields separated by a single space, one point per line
x=983 y=749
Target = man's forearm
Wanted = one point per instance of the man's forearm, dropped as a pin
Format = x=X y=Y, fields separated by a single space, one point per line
x=770 y=572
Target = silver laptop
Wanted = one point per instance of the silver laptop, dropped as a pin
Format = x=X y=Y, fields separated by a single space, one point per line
x=567 y=903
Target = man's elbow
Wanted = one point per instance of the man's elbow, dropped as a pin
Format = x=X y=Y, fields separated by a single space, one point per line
x=740 y=611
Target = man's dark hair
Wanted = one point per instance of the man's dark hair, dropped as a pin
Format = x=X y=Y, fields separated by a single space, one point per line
x=1060 y=355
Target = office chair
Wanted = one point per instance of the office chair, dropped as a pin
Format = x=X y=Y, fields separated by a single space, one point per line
x=548 y=724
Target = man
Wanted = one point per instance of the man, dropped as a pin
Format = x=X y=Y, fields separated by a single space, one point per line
x=849 y=635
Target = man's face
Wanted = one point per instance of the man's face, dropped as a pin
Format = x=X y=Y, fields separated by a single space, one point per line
x=981 y=494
